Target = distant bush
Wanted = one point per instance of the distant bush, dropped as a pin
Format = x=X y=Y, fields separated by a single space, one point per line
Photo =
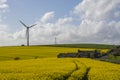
x=22 y=45
x=110 y=56
x=17 y=58
x=36 y=57
x=117 y=54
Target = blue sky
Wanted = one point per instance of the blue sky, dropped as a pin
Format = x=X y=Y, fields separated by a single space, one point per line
x=70 y=21
x=30 y=11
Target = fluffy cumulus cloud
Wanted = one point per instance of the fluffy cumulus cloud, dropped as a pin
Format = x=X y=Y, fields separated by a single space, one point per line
x=47 y=16
x=99 y=20
x=4 y=36
x=3 y=4
x=3 y=8
x=7 y=38
x=44 y=33
x=92 y=21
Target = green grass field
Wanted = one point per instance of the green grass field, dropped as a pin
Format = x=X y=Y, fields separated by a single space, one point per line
x=97 y=46
x=41 y=63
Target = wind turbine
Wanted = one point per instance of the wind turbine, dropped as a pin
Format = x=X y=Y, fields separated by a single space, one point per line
x=27 y=30
x=55 y=40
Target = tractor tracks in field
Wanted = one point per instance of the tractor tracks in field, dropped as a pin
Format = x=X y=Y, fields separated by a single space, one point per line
x=76 y=68
x=86 y=74
x=85 y=77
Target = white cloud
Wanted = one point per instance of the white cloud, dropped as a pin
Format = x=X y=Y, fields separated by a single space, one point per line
x=3 y=9
x=93 y=21
x=3 y=4
x=47 y=16
x=64 y=20
x=97 y=10
x=3 y=1
x=4 y=36
x=96 y=18
x=2 y=27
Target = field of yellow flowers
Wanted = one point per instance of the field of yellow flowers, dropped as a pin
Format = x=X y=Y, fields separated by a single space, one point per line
x=32 y=52
x=59 y=69
x=40 y=63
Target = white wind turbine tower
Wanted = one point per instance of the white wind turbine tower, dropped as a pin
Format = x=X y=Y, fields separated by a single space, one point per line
x=55 y=40
x=27 y=30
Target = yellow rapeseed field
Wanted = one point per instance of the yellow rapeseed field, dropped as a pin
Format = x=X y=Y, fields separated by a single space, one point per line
x=102 y=70
x=32 y=52
x=59 y=69
x=38 y=69
x=41 y=63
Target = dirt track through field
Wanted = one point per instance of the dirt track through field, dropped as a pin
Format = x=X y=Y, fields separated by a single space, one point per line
x=76 y=68
x=85 y=77
x=86 y=74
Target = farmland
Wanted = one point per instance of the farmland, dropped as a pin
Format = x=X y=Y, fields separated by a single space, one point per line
x=97 y=46
x=40 y=63
x=32 y=52
x=59 y=69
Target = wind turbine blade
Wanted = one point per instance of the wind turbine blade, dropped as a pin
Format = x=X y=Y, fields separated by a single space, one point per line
x=33 y=25
x=23 y=23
